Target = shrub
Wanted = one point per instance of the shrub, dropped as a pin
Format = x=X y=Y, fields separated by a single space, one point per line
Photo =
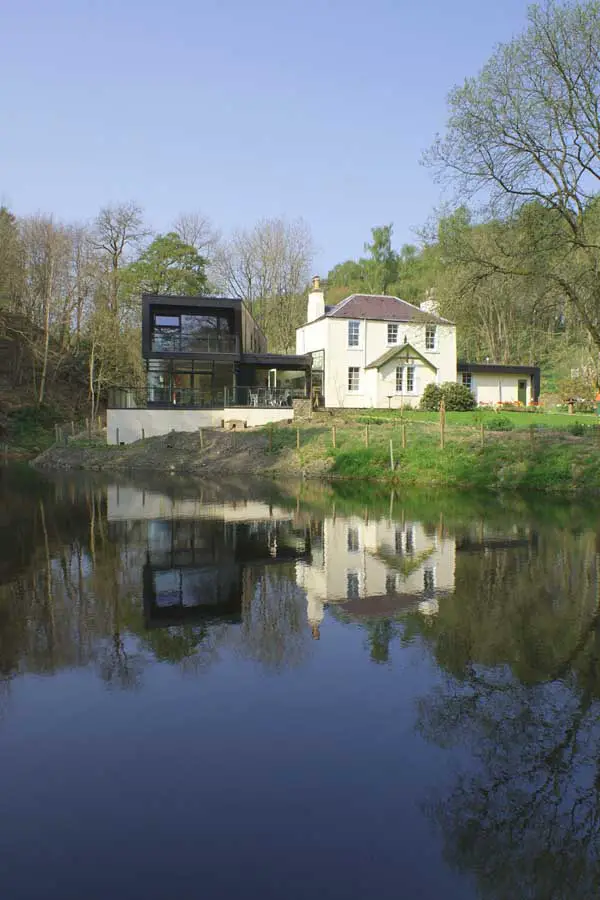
x=431 y=398
x=457 y=397
x=585 y=406
x=581 y=388
x=579 y=429
x=498 y=423
x=579 y=406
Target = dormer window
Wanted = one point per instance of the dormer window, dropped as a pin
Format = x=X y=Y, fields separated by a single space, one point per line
x=430 y=337
x=392 y=333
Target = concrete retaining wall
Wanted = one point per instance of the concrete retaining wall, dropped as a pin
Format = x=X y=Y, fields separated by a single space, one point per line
x=132 y=424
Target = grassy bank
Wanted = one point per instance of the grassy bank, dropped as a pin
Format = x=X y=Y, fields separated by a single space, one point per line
x=518 y=451
x=26 y=431
x=537 y=452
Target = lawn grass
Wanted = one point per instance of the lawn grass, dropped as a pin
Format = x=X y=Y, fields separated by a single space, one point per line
x=473 y=418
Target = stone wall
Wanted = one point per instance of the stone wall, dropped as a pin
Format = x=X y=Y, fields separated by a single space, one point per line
x=302 y=409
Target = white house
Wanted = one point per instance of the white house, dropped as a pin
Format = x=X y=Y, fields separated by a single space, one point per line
x=374 y=350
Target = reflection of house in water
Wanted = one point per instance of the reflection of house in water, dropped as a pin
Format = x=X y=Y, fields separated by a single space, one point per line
x=483 y=538
x=198 y=557
x=376 y=569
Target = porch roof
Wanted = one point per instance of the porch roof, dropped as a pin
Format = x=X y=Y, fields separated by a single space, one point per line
x=399 y=351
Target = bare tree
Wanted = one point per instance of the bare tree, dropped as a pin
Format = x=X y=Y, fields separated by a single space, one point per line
x=269 y=267
x=47 y=248
x=198 y=231
x=117 y=228
x=85 y=276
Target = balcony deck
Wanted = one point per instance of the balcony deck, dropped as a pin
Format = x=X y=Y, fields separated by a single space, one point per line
x=176 y=344
x=188 y=398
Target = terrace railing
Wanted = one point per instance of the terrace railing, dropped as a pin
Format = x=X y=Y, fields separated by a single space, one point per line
x=264 y=397
x=176 y=342
x=192 y=398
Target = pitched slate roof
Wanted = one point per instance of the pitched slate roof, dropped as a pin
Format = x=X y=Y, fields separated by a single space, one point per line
x=381 y=306
x=399 y=350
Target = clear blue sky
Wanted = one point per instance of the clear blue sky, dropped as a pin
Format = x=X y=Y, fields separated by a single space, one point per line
x=239 y=108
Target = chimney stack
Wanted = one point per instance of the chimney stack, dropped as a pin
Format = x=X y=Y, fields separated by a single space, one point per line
x=430 y=304
x=316 y=301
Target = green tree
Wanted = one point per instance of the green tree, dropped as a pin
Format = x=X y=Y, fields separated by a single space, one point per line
x=524 y=133
x=381 y=266
x=408 y=274
x=167 y=266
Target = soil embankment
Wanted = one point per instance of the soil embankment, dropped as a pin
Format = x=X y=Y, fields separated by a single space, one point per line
x=218 y=453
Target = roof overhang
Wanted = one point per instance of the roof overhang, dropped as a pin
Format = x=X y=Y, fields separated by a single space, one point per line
x=494 y=368
x=278 y=360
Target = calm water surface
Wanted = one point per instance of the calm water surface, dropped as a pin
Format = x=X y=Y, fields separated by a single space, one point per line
x=211 y=691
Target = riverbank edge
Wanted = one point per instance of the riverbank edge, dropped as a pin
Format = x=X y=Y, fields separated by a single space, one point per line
x=562 y=466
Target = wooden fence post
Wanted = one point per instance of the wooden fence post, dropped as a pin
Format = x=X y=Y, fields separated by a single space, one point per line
x=143 y=434
x=442 y=424
x=117 y=437
x=404 y=435
x=481 y=433
x=201 y=435
x=333 y=437
x=297 y=438
x=391 y=454
x=99 y=423
x=72 y=428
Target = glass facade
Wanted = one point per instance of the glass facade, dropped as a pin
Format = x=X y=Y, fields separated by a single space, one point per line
x=191 y=333
x=189 y=382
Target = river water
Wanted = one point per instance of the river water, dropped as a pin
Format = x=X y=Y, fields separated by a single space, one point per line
x=286 y=692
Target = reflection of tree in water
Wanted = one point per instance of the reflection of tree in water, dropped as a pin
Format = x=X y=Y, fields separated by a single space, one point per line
x=194 y=647
x=274 y=628
x=381 y=633
x=520 y=640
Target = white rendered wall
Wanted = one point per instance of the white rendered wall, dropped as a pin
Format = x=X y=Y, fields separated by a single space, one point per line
x=331 y=335
x=153 y=422
x=497 y=388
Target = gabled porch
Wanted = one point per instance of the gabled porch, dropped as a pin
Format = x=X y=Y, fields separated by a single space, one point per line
x=401 y=374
